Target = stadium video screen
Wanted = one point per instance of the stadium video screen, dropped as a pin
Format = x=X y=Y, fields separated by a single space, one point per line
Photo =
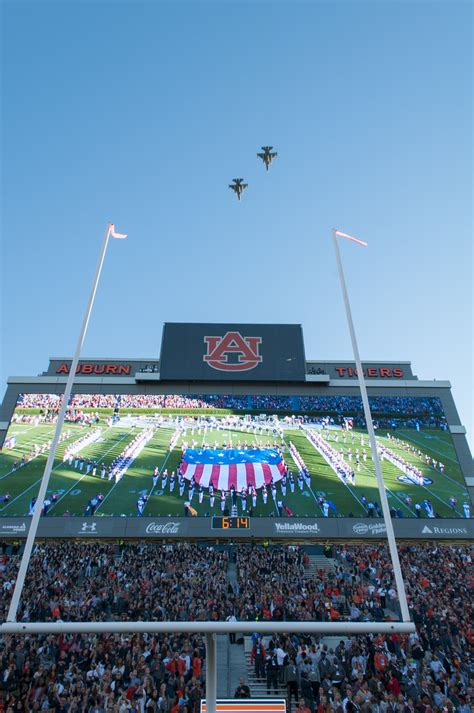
x=231 y=457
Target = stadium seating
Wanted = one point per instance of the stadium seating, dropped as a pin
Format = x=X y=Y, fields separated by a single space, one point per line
x=388 y=410
x=428 y=671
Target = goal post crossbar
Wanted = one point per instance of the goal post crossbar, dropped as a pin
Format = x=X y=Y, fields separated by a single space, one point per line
x=208 y=627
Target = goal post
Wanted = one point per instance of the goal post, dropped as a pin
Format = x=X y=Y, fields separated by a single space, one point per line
x=392 y=545
x=210 y=629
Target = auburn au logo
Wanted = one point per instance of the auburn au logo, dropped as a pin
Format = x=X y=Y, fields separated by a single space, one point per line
x=245 y=349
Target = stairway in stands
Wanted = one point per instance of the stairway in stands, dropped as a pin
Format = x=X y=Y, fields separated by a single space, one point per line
x=319 y=562
x=258 y=687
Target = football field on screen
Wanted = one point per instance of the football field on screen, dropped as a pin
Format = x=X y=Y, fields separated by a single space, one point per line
x=73 y=488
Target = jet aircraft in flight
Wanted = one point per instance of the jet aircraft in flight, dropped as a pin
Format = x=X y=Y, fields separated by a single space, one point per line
x=238 y=186
x=267 y=156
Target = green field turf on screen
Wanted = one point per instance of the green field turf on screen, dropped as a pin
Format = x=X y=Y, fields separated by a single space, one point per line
x=74 y=489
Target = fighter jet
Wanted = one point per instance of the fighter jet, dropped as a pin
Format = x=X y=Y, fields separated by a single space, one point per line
x=238 y=187
x=267 y=156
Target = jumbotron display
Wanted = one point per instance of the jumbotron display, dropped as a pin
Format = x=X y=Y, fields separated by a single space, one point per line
x=231 y=456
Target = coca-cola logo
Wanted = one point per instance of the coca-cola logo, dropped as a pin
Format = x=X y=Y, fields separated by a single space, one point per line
x=162 y=528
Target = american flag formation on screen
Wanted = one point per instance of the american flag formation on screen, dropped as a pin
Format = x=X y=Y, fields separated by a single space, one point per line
x=233 y=467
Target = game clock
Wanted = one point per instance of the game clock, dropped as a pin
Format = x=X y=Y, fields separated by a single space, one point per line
x=230 y=523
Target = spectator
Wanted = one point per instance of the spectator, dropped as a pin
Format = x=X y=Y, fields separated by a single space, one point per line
x=291 y=680
x=431 y=669
x=302 y=707
x=242 y=690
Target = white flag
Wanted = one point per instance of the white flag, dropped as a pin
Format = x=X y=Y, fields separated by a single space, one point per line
x=121 y=236
x=349 y=237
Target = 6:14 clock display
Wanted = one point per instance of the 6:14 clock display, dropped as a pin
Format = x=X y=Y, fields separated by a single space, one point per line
x=230 y=523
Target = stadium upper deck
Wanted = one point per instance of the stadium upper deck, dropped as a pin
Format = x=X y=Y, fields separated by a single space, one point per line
x=253 y=374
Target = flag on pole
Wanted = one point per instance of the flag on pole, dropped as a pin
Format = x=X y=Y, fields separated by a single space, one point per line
x=120 y=236
x=349 y=237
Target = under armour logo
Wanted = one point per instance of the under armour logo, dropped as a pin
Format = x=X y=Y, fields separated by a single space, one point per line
x=89 y=528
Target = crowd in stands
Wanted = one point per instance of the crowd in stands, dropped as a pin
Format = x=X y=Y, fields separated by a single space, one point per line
x=275 y=403
x=426 y=672
x=85 y=582
x=80 y=401
x=429 y=409
x=379 y=404
x=42 y=401
x=103 y=674
x=272 y=583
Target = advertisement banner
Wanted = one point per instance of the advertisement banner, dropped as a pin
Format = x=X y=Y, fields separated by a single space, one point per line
x=14 y=527
x=259 y=528
x=161 y=527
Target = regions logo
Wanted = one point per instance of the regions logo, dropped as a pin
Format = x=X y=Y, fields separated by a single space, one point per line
x=362 y=528
x=243 y=352
x=167 y=528
x=295 y=527
x=435 y=530
x=412 y=481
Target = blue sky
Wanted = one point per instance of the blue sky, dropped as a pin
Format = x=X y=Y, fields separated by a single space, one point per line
x=142 y=113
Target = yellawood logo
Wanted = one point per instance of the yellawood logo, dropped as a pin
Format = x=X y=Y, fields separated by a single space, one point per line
x=296 y=527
